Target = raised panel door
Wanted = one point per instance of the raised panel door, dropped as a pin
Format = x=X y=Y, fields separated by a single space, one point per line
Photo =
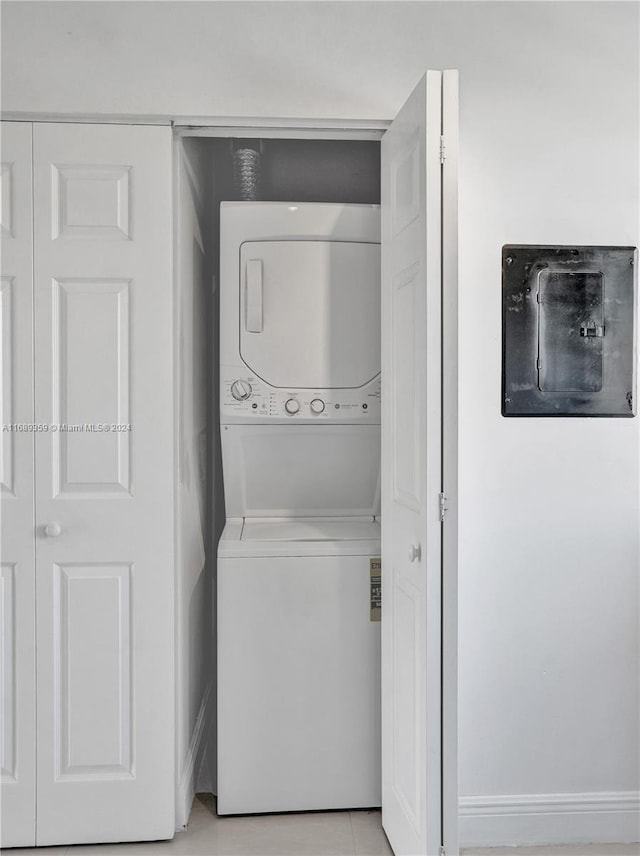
x=411 y=474
x=104 y=505
x=17 y=549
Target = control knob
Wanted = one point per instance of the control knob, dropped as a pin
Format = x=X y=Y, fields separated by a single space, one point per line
x=292 y=406
x=241 y=390
x=317 y=405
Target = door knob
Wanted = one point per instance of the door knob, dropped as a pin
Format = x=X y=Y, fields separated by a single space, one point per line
x=415 y=552
x=52 y=530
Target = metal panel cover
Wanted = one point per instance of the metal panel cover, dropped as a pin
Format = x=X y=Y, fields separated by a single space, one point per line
x=568 y=331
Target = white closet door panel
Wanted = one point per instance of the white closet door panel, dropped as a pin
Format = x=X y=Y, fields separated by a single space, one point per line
x=103 y=308
x=411 y=474
x=17 y=549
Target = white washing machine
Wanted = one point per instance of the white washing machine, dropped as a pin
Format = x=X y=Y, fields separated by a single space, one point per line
x=298 y=562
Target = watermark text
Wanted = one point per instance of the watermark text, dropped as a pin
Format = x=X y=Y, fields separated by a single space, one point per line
x=64 y=427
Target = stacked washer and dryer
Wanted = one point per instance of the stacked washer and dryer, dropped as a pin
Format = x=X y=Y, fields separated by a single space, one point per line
x=298 y=643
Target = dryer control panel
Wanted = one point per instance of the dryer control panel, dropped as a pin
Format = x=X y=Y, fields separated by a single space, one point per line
x=244 y=397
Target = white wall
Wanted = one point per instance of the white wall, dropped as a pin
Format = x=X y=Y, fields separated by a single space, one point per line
x=549 y=600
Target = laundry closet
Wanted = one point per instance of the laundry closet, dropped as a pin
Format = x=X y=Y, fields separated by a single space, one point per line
x=298 y=562
x=235 y=643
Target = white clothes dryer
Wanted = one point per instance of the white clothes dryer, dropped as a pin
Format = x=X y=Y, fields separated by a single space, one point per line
x=299 y=313
x=298 y=641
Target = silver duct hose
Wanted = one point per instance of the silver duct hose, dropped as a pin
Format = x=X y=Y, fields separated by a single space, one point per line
x=246 y=169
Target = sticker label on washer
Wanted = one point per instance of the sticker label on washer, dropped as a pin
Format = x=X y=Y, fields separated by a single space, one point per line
x=375 y=589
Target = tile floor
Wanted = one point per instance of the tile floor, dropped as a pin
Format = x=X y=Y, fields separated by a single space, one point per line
x=336 y=833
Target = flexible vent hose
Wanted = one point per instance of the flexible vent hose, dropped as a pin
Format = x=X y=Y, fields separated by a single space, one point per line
x=246 y=168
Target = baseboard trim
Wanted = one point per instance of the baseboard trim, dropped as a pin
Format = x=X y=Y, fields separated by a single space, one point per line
x=524 y=819
x=192 y=761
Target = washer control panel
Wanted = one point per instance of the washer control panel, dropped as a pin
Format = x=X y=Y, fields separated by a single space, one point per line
x=243 y=396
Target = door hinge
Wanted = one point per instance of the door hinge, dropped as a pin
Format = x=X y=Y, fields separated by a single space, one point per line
x=443 y=506
x=442 y=154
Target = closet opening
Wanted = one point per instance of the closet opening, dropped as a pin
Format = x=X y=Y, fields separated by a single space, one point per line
x=213 y=171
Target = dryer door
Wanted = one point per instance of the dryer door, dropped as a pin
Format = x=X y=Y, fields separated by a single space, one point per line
x=310 y=312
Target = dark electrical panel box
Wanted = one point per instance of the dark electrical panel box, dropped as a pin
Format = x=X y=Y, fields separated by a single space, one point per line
x=568 y=331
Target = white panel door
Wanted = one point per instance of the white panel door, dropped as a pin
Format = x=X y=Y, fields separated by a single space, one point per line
x=104 y=502
x=17 y=548
x=412 y=439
